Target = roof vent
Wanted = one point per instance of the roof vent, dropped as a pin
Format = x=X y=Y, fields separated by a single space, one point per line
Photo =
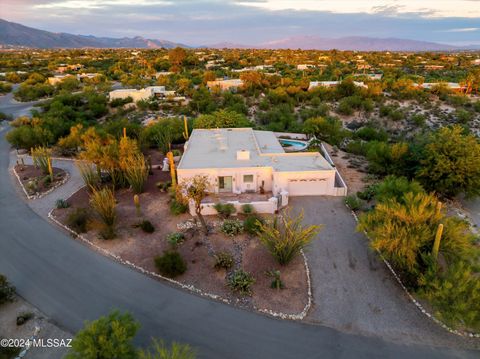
x=243 y=155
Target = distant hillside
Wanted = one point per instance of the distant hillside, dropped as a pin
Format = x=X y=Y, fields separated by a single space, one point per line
x=18 y=35
x=357 y=43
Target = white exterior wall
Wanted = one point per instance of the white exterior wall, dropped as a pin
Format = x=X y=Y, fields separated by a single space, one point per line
x=136 y=95
x=238 y=186
x=311 y=183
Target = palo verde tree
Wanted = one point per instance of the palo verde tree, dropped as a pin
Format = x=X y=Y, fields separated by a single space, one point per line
x=195 y=190
x=450 y=163
x=108 y=337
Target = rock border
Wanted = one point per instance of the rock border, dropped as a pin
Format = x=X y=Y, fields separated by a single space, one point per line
x=29 y=345
x=189 y=287
x=43 y=194
x=412 y=299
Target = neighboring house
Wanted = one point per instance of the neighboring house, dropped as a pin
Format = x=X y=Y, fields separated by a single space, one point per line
x=305 y=66
x=450 y=85
x=142 y=94
x=63 y=67
x=371 y=76
x=224 y=85
x=56 y=79
x=476 y=62
x=89 y=75
x=314 y=84
x=242 y=160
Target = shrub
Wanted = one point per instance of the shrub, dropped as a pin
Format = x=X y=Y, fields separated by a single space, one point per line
x=160 y=350
x=241 y=281
x=170 y=264
x=247 y=208
x=163 y=186
x=7 y=291
x=252 y=224
x=277 y=281
x=24 y=317
x=353 y=202
x=146 y=226
x=41 y=157
x=225 y=210
x=136 y=171
x=89 y=174
x=78 y=219
x=368 y=193
x=455 y=295
x=232 y=227
x=286 y=236
x=396 y=187
x=224 y=260
x=104 y=204
x=175 y=238
x=177 y=208
x=61 y=203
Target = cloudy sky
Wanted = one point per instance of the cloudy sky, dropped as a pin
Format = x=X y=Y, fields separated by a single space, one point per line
x=200 y=22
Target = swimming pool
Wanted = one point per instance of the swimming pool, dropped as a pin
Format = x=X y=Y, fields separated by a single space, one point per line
x=293 y=145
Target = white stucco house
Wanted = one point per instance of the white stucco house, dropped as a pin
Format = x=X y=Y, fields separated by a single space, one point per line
x=142 y=94
x=242 y=160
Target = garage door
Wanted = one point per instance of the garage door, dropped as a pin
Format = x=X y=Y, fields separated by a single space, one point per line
x=307 y=187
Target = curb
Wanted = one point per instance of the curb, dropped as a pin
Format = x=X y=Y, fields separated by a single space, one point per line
x=43 y=194
x=188 y=287
x=27 y=348
x=412 y=299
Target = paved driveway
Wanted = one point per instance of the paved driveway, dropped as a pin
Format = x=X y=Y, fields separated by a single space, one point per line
x=353 y=291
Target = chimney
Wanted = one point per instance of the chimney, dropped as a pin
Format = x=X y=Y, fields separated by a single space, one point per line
x=243 y=155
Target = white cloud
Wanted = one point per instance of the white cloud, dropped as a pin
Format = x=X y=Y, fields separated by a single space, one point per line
x=97 y=4
x=464 y=29
x=425 y=8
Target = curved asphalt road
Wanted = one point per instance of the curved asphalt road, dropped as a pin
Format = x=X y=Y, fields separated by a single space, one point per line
x=70 y=283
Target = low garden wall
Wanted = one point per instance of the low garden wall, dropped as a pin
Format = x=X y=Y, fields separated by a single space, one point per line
x=269 y=206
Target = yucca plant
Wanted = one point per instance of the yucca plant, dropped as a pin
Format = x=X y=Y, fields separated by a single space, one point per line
x=135 y=171
x=41 y=157
x=104 y=204
x=89 y=175
x=286 y=236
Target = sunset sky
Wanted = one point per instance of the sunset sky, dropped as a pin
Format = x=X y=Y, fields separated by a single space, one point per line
x=199 y=22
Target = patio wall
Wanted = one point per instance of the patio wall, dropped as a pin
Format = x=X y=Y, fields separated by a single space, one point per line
x=269 y=206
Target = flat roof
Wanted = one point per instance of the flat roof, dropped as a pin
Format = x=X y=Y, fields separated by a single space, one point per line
x=217 y=148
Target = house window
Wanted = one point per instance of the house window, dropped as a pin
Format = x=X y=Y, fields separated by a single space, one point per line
x=248 y=178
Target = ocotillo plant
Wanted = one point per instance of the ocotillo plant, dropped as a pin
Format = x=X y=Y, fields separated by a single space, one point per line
x=41 y=158
x=136 y=200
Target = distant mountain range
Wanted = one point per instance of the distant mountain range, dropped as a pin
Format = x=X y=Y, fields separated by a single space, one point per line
x=357 y=43
x=14 y=34
x=17 y=35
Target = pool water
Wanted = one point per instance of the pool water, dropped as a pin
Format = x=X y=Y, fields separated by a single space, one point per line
x=293 y=145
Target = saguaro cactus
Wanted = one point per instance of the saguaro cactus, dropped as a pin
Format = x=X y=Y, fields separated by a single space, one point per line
x=172 y=169
x=185 y=125
x=124 y=132
x=50 y=170
x=136 y=200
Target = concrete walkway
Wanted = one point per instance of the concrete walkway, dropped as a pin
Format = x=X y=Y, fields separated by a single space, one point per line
x=353 y=290
x=45 y=204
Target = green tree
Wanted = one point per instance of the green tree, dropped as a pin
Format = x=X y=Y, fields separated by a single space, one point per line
x=327 y=129
x=450 y=163
x=221 y=119
x=109 y=337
